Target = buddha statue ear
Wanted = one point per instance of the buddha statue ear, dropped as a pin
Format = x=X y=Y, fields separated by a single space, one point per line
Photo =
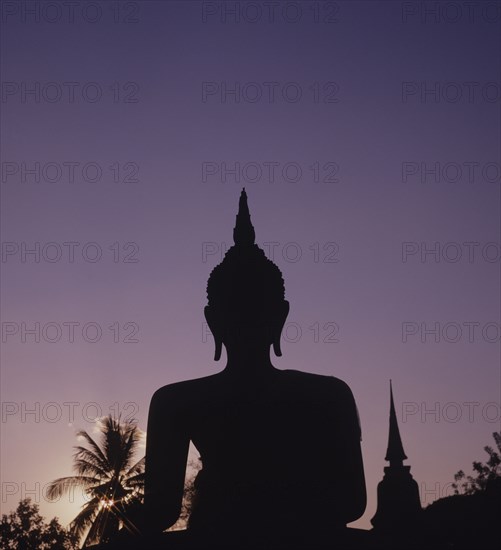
x=219 y=347
x=281 y=317
x=213 y=326
x=276 y=347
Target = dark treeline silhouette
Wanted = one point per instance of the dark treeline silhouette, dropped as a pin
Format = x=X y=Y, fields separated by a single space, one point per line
x=472 y=517
x=466 y=522
x=26 y=529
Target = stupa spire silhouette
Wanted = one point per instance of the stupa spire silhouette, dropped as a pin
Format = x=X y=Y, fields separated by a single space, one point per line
x=399 y=505
x=395 y=451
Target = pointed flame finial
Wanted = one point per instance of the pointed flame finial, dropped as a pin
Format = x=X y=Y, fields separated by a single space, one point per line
x=243 y=233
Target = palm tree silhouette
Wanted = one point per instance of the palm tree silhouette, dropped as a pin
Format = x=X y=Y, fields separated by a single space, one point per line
x=108 y=475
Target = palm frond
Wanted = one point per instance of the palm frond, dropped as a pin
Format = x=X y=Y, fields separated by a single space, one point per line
x=104 y=490
x=104 y=525
x=119 y=442
x=137 y=468
x=85 y=518
x=62 y=485
x=95 y=448
x=136 y=480
x=132 y=439
x=86 y=462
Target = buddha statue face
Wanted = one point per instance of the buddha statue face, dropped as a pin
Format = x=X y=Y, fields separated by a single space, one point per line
x=246 y=309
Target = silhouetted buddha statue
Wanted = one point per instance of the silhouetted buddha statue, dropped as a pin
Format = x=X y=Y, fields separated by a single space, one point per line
x=280 y=449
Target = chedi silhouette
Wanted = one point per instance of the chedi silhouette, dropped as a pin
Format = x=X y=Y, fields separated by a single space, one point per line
x=280 y=449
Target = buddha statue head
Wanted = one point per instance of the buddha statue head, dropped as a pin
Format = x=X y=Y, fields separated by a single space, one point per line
x=246 y=307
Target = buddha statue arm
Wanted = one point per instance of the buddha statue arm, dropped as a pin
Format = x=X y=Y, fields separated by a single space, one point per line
x=167 y=446
x=349 y=475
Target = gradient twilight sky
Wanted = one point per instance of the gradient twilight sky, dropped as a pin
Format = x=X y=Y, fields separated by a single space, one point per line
x=363 y=70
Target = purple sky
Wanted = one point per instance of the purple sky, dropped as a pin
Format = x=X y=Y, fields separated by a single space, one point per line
x=389 y=92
